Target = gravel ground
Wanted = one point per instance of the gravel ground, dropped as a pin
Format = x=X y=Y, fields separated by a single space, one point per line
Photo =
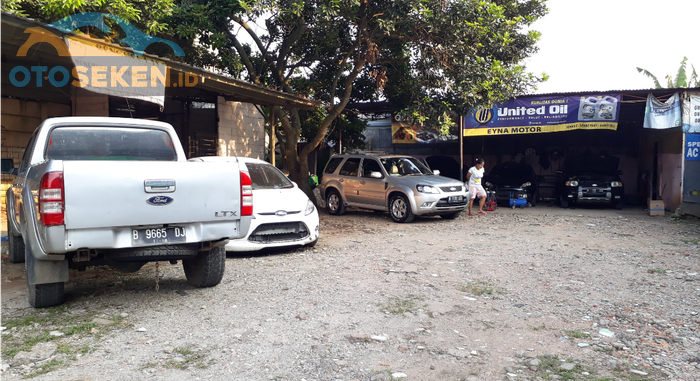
x=528 y=294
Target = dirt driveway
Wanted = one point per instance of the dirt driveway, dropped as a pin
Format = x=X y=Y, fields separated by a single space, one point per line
x=525 y=294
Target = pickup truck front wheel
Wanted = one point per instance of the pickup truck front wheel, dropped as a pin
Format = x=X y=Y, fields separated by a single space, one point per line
x=45 y=295
x=207 y=268
x=15 y=252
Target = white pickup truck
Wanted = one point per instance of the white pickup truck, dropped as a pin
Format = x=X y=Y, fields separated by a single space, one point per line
x=94 y=191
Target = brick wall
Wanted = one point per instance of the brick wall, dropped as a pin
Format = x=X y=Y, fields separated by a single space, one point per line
x=19 y=120
x=241 y=130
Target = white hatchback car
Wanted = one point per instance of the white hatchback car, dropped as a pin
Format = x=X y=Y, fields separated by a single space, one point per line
x=283 y=216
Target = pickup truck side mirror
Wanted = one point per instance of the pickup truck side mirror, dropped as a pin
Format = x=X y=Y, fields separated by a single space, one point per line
x=8 y=167
x=436 y=172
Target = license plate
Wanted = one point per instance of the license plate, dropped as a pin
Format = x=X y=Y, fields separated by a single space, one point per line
x=453 y=199
x=173 y=234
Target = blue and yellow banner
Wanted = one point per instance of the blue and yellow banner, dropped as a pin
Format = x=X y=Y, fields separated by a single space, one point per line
x=534 y=115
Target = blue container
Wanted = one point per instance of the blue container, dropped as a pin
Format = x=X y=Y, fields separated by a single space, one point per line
x=518 y=202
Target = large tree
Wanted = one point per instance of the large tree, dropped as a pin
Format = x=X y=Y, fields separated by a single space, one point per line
x=427 y=57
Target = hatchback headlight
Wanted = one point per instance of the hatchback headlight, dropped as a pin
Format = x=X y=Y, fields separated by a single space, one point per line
x=309 y=208
x=572 y=183
x=426 y=189
x=616 y=184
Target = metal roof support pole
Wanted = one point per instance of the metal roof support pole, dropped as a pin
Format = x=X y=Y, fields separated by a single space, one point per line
x=461 y=148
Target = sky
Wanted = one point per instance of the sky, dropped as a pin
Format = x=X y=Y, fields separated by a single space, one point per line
x=596 y=45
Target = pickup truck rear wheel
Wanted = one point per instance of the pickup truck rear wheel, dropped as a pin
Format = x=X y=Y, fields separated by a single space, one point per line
x=45 y=295
x=400 y=209
x=15 y=252
x=207 y=268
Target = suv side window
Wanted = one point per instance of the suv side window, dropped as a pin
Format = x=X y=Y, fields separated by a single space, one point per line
x=369 y=166
x=333 y=165
x=350 y=167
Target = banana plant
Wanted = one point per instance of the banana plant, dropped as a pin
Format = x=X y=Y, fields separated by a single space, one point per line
x=681 y=79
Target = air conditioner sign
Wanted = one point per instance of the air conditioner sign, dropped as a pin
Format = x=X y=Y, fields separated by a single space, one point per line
x=692 y=147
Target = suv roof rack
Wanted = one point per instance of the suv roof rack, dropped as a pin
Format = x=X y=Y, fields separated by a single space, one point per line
x=370 y=153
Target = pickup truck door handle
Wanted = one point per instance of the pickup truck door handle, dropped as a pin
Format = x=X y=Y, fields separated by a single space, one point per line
x=159 y=186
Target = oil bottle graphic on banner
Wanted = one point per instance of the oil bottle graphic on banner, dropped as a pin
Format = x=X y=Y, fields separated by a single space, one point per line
x=588 y=108
x=608 y=108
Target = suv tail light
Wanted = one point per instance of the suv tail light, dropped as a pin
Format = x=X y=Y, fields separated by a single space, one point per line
x=246 y=194
x=51 y=205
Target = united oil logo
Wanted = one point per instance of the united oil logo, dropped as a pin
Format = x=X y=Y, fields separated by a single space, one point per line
x=483 y=115
x=99 y=65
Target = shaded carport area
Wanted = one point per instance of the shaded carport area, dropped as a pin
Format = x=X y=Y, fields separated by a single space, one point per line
x=651 y=160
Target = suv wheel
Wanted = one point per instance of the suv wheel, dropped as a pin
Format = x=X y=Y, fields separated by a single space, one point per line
x=400 y=209
x=334 y=203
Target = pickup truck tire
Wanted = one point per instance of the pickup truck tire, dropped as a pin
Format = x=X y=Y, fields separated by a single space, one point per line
x=334 y=203
x=154 y=253
x=15 y=252
x=207 y=268
x=46 y=295
x=400 y=209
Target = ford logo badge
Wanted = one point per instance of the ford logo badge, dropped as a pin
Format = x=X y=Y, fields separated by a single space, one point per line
x=280 y=213
x=159 y=200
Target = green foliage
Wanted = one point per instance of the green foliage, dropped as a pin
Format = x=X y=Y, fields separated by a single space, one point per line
x=148 y=16
x=429 y=58
x=681 y=79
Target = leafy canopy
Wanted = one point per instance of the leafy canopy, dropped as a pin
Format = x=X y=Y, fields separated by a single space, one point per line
x=146 y=15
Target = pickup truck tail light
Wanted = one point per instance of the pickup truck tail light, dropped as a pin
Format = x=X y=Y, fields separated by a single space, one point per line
x=51 y=204
x=246 y=194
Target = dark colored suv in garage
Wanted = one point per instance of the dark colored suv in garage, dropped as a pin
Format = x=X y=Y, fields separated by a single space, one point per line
x=592 y=179
x=513 y=180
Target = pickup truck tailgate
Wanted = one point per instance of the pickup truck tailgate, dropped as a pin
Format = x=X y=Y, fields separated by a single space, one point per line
x=117 y=193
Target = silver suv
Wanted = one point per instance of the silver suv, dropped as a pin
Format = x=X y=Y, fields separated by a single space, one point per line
x=402 y=185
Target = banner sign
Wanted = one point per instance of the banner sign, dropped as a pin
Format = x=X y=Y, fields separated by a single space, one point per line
x=533 y=115
x=692 y=147
x=405 y=133
x=660 y=115
x=691 y=114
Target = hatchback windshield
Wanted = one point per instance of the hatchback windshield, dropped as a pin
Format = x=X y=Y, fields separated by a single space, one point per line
x=265 y=176
x=404 y=166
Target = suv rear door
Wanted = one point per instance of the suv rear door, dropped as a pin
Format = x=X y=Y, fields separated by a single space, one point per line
x=371 y=190
x=347 y=176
